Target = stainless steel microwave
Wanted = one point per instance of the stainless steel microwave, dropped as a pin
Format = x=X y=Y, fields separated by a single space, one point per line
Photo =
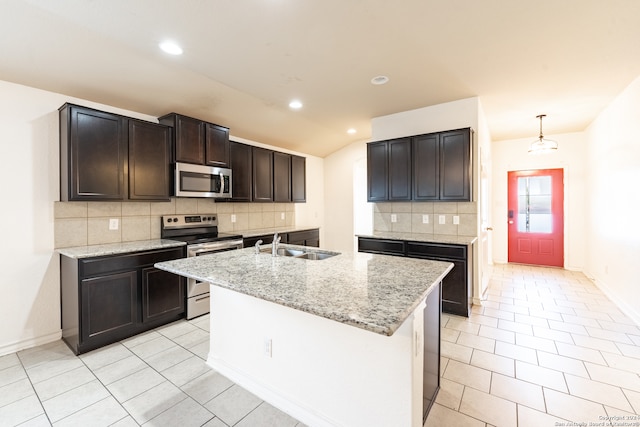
x=202 y=181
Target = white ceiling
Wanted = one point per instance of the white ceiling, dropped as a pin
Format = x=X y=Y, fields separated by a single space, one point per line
x=244 y=60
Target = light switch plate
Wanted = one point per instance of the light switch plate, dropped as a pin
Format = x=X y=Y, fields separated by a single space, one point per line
x=233 y=218
x=456 y=219
x=441 y=219
x=394 y=218
x=281 y=215
x=114 y=223
x=425 y=219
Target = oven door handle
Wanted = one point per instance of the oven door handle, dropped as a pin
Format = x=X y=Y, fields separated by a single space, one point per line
x=199 y=251
x=194 y=250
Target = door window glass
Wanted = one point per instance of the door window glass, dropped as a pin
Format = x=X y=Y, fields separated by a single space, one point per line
x=534 y=205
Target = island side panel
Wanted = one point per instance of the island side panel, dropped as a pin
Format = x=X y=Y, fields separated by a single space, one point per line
x=321 y=372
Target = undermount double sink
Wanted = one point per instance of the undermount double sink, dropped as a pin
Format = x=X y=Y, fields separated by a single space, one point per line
x=297 y=253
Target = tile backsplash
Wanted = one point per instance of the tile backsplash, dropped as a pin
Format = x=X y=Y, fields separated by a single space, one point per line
x=409 y=217
x=87 y=223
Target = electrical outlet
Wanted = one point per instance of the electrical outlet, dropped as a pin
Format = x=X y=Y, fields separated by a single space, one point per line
x=394 y=218
x=425 y=219
x=441 y=219
x=268 y=347
x=456 y=220
x=233 y=218
x=113 y=224
x=281 y=215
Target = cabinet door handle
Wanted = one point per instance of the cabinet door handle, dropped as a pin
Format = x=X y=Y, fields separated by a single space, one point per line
x=489 y=228
x=201 y=299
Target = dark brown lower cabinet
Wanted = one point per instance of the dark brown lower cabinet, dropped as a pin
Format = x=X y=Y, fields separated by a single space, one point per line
x=162 y=294
x=304 y=238
x=431 y=344
x=456 y=286
x=108 y=308
x=108 y=298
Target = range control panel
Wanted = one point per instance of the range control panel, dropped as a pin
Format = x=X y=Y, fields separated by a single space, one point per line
x=186 y=221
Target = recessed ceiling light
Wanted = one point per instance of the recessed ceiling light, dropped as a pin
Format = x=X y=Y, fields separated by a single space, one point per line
x=379 y=80
x=351 y=131
x=295 y=104
x=171 y=48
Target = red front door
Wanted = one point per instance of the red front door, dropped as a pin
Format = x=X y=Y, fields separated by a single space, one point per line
x=536 y=217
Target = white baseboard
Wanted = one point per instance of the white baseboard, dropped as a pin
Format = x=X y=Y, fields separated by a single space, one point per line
x=285 y=403
x=623 y=305
x=30 y=342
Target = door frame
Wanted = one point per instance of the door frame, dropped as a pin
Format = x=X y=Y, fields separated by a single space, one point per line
x=558 y=206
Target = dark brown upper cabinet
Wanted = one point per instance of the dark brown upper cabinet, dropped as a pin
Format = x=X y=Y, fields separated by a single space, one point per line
x=197 y=141
x=298 y=179
x=389 y=173
x=108 y=157
x=149 y=161
x=216 y=145
x=262 y=174
x=377 y=172
x=399 y=169
x=455 y=165
x=93 y=154
x=430 y=167
x=426 y=167
x=240 y=163
x=281 y=177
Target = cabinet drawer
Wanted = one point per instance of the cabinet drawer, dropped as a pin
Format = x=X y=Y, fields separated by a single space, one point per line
x=430 y=250
x=381 y=246
x=106 y=264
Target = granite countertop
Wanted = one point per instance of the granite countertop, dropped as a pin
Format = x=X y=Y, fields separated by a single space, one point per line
x=422 y=237
x=265 y=231
x=372 y=292
x=118 y=248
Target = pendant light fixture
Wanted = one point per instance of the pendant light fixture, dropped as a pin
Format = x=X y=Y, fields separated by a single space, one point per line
x=542 y=145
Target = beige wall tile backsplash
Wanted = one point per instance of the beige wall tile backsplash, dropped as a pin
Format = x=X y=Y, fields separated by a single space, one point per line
x=87 y=223
x=409 y=217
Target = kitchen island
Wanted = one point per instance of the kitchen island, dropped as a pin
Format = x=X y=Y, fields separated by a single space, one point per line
x=333 y=342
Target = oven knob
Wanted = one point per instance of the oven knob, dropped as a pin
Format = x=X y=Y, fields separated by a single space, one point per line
x=175 y=219
x=169 y=219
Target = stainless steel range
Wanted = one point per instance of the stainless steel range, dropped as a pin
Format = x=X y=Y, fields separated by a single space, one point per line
x=200 y=232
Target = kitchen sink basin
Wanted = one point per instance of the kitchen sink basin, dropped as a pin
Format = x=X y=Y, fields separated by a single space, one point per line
x=297 y=253
x=284 y=251
x=317 y=255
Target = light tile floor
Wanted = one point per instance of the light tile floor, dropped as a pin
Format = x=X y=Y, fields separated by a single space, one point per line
x=158 y=378
x=546 y=348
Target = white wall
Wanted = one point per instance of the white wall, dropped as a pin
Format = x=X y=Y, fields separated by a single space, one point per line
x=613 y=229
x=482 y=187
x=30 y=278
x=511 y=155
x=339 y=170
x=436 y=118
x=30 y=312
